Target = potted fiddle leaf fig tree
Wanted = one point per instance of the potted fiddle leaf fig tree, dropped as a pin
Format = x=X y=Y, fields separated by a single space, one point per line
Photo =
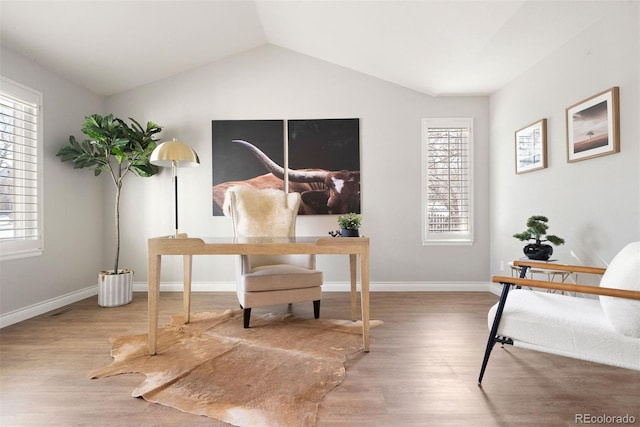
x=118 y=149
x=536 y=230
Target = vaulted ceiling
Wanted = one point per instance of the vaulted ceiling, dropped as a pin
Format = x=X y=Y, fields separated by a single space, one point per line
x=436 y=47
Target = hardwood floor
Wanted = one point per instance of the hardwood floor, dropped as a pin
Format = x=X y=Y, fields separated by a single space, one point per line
x=421 y=371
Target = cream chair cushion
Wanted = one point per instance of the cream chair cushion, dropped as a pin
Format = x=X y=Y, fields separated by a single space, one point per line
x=279 y=277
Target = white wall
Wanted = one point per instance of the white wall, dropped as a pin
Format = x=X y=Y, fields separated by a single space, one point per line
x=594 y=204
x=73 y=201
x=274 y=83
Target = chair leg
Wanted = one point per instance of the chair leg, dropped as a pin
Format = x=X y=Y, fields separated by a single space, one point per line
x=316 y=309
x=247 y=317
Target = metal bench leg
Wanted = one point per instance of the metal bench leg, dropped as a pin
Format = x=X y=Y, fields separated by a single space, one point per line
x=493 y=338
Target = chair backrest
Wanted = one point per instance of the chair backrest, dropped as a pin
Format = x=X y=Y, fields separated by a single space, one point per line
x=264 y=213
x=267 y=212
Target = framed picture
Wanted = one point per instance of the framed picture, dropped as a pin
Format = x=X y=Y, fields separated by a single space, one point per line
x=531 y=147
x=593 y=126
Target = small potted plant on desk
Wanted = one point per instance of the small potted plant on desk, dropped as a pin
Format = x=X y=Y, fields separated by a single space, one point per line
x=537 y=228
x=349 y=225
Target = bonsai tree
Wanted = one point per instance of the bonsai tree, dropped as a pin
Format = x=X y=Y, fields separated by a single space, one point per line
x=536 y=229
x=116 y=148
x=350 y=221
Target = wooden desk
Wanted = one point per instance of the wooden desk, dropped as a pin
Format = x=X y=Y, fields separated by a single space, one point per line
x=355 y=247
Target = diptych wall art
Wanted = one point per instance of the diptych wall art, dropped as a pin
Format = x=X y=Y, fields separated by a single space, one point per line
x=318 y=158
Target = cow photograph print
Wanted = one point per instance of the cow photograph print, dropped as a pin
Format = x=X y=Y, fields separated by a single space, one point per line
x=323 y=161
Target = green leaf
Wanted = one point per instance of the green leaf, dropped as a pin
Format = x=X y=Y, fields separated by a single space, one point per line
x=136 y=126
x=87 y=147
x=74 y=143
x=66 y=153
x=119 y=154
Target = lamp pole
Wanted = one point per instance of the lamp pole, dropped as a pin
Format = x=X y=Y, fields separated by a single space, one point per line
x=174 y=171
x=175 y=154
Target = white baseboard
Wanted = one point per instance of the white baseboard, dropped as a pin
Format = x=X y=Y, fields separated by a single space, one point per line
x=58 y=302
x=494 y=288
x=46 y=306
x=423 y=287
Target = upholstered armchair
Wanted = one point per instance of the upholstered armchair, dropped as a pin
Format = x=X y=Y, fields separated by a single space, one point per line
x=604 y=330
x=264 y=280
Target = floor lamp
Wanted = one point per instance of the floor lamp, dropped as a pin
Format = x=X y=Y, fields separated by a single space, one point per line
x=177 y=155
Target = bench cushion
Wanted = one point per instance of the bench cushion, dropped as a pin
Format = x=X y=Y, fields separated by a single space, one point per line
x=623 y=273
x=565 y=325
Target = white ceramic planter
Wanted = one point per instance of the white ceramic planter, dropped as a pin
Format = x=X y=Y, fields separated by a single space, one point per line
x=115 y=289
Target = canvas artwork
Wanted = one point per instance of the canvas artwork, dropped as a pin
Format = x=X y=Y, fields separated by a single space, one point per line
x=323 y=161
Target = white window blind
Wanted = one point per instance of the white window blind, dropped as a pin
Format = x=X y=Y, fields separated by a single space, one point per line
x=20 y=171
x=447 y=181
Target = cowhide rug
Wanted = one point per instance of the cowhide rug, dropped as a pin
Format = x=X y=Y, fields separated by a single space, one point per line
x=273 y=374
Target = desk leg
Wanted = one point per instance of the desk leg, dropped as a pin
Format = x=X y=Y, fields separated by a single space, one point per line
x=354 y=292
x=186 y=293
x=364 y=295
x=153 y=299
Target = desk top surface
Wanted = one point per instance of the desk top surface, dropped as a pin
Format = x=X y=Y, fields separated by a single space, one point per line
x=257 y=245
x=260 y=240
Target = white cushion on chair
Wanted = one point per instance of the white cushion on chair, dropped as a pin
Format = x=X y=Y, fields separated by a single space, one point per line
x=623 y=273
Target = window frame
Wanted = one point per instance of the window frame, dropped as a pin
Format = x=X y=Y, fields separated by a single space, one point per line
x=26 y=248
x=451 y=238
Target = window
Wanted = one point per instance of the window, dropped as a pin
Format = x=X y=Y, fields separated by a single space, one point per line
x=447 y=193
x=20 y=171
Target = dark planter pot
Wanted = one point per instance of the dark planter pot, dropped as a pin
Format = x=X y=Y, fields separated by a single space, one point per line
x=349 y=233
x=538 y=251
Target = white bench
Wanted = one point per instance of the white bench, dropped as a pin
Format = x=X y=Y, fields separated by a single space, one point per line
x=604 y=330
